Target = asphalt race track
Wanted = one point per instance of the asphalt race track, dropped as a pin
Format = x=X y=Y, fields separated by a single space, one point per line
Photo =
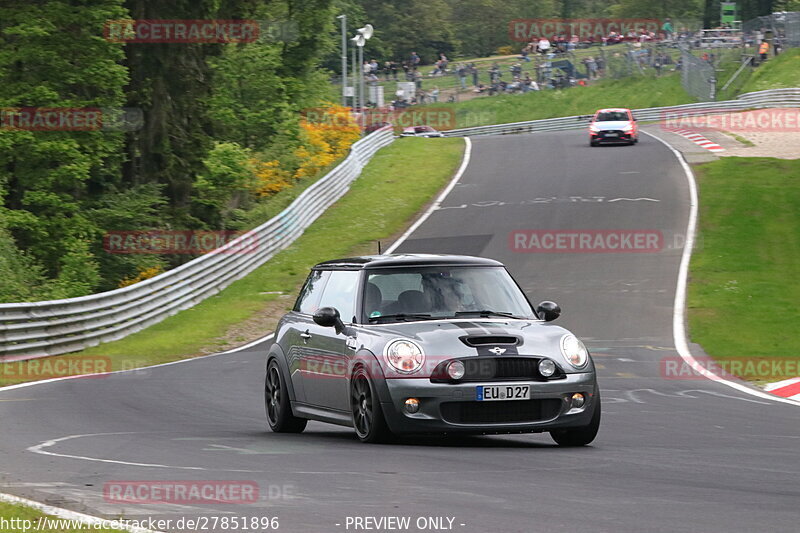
x=673 y=455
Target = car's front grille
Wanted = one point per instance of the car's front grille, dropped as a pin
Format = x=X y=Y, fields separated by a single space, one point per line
x=484 y=368
x=502 y=412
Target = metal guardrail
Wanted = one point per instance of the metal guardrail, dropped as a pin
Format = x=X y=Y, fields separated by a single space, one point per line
x=39 y=329
x=756 y=100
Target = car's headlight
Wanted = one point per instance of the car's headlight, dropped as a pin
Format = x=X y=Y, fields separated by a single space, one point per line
x=594 y=128
x=404 y=355
x=575 y=352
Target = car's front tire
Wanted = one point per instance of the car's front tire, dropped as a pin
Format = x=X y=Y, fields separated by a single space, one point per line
x=593 y=143
x=579 y=436
x=276 y=402
x=368 y=419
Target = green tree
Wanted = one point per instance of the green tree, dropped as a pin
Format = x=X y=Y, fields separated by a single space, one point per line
x=53 y=55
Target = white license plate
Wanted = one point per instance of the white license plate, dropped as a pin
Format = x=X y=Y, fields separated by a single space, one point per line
x=486 y=393
x=612 y=134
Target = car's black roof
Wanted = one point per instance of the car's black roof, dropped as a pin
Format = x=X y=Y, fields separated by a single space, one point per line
x=405 y=260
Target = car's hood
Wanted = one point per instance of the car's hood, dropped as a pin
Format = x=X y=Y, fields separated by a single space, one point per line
x=612 y=125
x=445 y=338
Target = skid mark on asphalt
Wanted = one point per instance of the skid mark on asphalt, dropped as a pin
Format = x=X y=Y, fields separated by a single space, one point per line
x=560 y=200
x=635 y=395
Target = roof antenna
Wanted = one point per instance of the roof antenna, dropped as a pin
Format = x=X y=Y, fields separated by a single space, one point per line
x=379 y=248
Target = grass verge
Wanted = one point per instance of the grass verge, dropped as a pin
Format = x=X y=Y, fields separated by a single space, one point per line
x=380 y=203
x=22 y=519
x=782 y=71
x=633 y=93
x=743 y=291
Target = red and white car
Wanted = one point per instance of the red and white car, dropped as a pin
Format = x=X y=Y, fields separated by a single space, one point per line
x=613 y=125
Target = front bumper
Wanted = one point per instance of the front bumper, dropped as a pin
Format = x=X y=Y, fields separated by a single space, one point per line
x=602 y=137
x=452 y=408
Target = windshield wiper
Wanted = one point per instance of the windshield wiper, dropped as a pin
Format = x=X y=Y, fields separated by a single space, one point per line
x=487 y=313
x=402 y=316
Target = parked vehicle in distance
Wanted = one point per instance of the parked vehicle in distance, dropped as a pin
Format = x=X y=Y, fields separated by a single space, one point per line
x=614 y=125
x=397 y=344
x=421 y=131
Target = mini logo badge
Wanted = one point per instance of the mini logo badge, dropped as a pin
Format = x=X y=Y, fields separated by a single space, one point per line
x=498 y=350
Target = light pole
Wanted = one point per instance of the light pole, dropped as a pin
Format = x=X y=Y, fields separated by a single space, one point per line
x=353 y=92
x=362 y=35
x=343 y=18
x=358 y=70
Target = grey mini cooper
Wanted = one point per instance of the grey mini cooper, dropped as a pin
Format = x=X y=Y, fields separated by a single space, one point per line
x=397 y=344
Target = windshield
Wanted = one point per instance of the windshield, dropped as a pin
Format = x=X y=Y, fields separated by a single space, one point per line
x=612 y=116
x=436 y=292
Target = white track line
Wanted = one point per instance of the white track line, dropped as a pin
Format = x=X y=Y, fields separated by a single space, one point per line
x=53 y=380
x=464 y=164
x=66 y=514
x=679 y=309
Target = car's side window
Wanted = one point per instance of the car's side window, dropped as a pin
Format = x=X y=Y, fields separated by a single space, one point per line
x=308 y=301
x=340 y=292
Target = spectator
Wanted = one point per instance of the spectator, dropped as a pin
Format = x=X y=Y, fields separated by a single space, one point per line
x=591 y=67
x=763 y=50
x=393 y=68
x=601 y=66
x=435 y=94
x=474 y=71
x=415 y=60
x=461 y=71
x=543 y=47
x=494 y=73
x=667 y=29
x=657 y=64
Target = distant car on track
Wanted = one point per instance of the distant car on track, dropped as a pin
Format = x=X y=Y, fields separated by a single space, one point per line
x=614 y=125
x=398 y=344
x=421 y=131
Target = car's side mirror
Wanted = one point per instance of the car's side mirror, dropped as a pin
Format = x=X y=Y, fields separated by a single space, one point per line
x=328 y=317
x=548 y=311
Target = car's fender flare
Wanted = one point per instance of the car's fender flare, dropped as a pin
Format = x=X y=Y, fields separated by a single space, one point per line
x=276 y=353
x=370 y=361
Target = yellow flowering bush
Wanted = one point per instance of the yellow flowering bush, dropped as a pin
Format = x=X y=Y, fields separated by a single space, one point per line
x=326 y=133
x=144 y=274
x=270 y=177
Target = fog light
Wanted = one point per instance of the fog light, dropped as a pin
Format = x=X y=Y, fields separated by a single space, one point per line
x=547 y=367
x=456 y=370
x=412 y=405
x=578 y=400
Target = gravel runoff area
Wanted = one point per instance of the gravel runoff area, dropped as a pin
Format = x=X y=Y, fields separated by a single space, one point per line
x=774 y=132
